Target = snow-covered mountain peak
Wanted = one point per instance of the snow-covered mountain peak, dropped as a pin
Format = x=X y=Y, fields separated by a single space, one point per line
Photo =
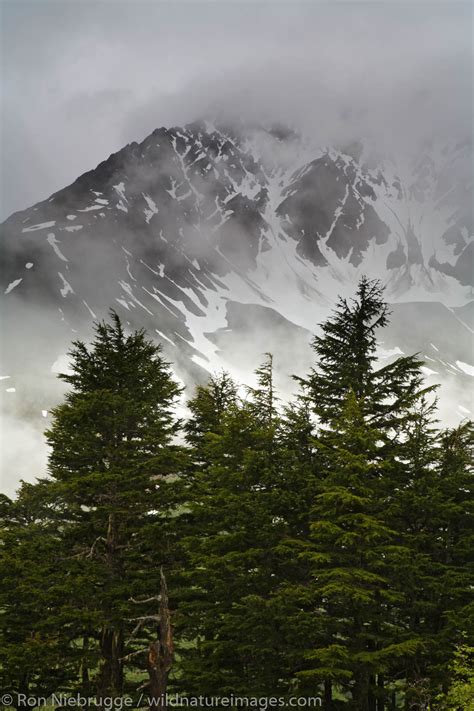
x=200 y=227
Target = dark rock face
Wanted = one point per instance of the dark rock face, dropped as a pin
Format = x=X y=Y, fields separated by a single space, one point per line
x=462 y=270
x=397 y=258
x=453 y=236
x=328 y=202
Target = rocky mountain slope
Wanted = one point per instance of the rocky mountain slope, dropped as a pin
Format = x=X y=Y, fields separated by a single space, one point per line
x=225 y=242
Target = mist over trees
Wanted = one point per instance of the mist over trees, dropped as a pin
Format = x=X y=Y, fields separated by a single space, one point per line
x=255 y=548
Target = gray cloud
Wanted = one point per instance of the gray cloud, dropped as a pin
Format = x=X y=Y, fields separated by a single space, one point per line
x=82 y=78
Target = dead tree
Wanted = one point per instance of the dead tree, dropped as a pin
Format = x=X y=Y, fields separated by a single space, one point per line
x=160 y=651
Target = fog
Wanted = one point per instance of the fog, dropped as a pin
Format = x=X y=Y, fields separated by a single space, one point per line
x=82 y=78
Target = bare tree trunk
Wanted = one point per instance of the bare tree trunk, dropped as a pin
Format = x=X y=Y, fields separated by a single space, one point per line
x=104 y=678
x=328 y=695
x=85 y=679
x=111 y=542
x=360 y=692
x=23 y=688
x=160 y=652
x=380 y=693
x=110 y=679
x=371 y=698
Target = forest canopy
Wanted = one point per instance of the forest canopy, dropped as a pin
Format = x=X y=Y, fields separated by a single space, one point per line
x=256 y=548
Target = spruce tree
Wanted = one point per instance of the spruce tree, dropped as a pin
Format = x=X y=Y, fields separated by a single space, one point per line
x=360 y=410
x=234 y=566
x=37 y=655
x=351 y=552
x=111 y=458
x=325 y=546
x=208 y=408
x=346 y=363
x=428 y=501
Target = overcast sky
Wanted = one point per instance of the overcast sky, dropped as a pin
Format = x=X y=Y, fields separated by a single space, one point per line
x=81 y=78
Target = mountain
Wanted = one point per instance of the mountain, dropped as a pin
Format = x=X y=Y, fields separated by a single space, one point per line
x=225 y=242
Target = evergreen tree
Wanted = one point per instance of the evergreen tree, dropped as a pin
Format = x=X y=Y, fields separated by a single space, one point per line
x=361 y=411
x=110 y=462
x=209 y=407
x=325 y=546
x=429 y=503
x=233 y=558
x=452 y=543
x=37 y=655
x=351 y=553
x=346 y=360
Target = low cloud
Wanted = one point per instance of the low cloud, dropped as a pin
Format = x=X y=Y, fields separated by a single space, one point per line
x=82 y=79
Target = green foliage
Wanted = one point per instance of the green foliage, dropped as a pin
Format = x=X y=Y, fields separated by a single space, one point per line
x=460 y=695
x=322 y=546
x=36 y=653
x=231 y=572
x=99 y=532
